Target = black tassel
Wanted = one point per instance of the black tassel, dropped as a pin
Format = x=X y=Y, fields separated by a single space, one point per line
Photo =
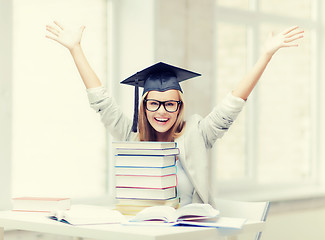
x=136 y=107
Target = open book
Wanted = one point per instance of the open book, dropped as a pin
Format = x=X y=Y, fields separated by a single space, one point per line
x=167 y=214
x=194 y=214
x=87 y=214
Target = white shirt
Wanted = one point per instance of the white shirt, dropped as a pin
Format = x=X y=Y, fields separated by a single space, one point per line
x=184 y=186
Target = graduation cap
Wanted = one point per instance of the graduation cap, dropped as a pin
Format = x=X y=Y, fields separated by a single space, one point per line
x=158 y=77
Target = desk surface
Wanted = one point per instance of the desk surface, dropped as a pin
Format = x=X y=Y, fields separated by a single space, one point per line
x=38 y=222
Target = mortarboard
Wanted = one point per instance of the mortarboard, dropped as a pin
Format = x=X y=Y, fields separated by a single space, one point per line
x=158 y=77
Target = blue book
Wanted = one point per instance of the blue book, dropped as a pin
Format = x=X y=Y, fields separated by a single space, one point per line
x=142 y=152
x=144 y=161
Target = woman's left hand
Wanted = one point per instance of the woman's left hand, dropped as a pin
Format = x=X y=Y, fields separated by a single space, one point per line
x=287 y=38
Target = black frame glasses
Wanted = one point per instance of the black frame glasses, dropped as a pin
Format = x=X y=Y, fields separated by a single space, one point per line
x=159 y=103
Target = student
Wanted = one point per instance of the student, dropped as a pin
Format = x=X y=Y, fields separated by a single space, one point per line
x=162 y=107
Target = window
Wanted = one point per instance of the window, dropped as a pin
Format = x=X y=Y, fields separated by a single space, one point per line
x=231 y=54
x=59 y=146
x=275 y=140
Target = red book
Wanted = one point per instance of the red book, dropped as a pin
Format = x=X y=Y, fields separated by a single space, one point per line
x=40 y=204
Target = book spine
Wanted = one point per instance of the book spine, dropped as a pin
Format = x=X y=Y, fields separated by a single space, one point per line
x=146 y=193
x=143 y=144
x=146 y=152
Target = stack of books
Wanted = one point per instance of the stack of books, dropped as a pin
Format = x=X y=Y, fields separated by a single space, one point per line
x=145 y=175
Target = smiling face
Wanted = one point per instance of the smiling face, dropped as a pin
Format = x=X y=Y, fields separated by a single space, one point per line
x=161 y=120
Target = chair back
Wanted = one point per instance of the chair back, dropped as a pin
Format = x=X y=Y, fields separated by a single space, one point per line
x=256 y=211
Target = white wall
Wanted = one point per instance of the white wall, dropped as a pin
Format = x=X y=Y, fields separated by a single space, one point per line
x=58 y=141
x=133 y=45
x=5 y=102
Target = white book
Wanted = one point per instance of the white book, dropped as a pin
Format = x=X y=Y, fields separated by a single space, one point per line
x=40 y=204
x=153 y=152
x=87 y=215
x=190 y=212
x=145 y=193
x=144 y=145
x=144 y=161
x=159 y=182
x=194 y=214
x=147 y=171
x=133 y=206
x=174 y=202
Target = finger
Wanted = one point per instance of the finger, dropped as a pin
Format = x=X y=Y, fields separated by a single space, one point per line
x=295 y=33
x=59 y=25
x=81 y=29
x=290 y=45
x=51 y=27
x=293 y=38
x=52 y=30
x=288 y=30
x=51 y=37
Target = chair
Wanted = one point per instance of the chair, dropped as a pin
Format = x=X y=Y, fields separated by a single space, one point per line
x=256 y=211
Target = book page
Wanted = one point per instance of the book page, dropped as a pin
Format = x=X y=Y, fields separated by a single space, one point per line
x=196 y=211
x=222 y=222
x=156 y=213
x=88 y=214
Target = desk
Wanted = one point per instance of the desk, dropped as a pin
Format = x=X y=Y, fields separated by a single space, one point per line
x=37 y=222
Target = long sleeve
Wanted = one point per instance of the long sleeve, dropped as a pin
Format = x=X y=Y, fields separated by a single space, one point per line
x=111 y=115
x=200 y=135
x=220 y=119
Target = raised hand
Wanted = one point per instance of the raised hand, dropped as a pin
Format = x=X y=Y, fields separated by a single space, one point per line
x=67 y=37
x=286 y=38
x=71 y=39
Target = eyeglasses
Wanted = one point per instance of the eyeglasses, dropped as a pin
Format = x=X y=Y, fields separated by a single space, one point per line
x=153 y=105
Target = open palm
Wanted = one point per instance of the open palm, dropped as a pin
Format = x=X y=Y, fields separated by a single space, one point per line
x=67 y=37
x=286 y=38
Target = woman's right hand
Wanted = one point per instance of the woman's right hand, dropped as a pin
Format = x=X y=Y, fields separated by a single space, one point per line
x=67 y=37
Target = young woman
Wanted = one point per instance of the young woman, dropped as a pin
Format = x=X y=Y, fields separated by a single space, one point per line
x=161 y=109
